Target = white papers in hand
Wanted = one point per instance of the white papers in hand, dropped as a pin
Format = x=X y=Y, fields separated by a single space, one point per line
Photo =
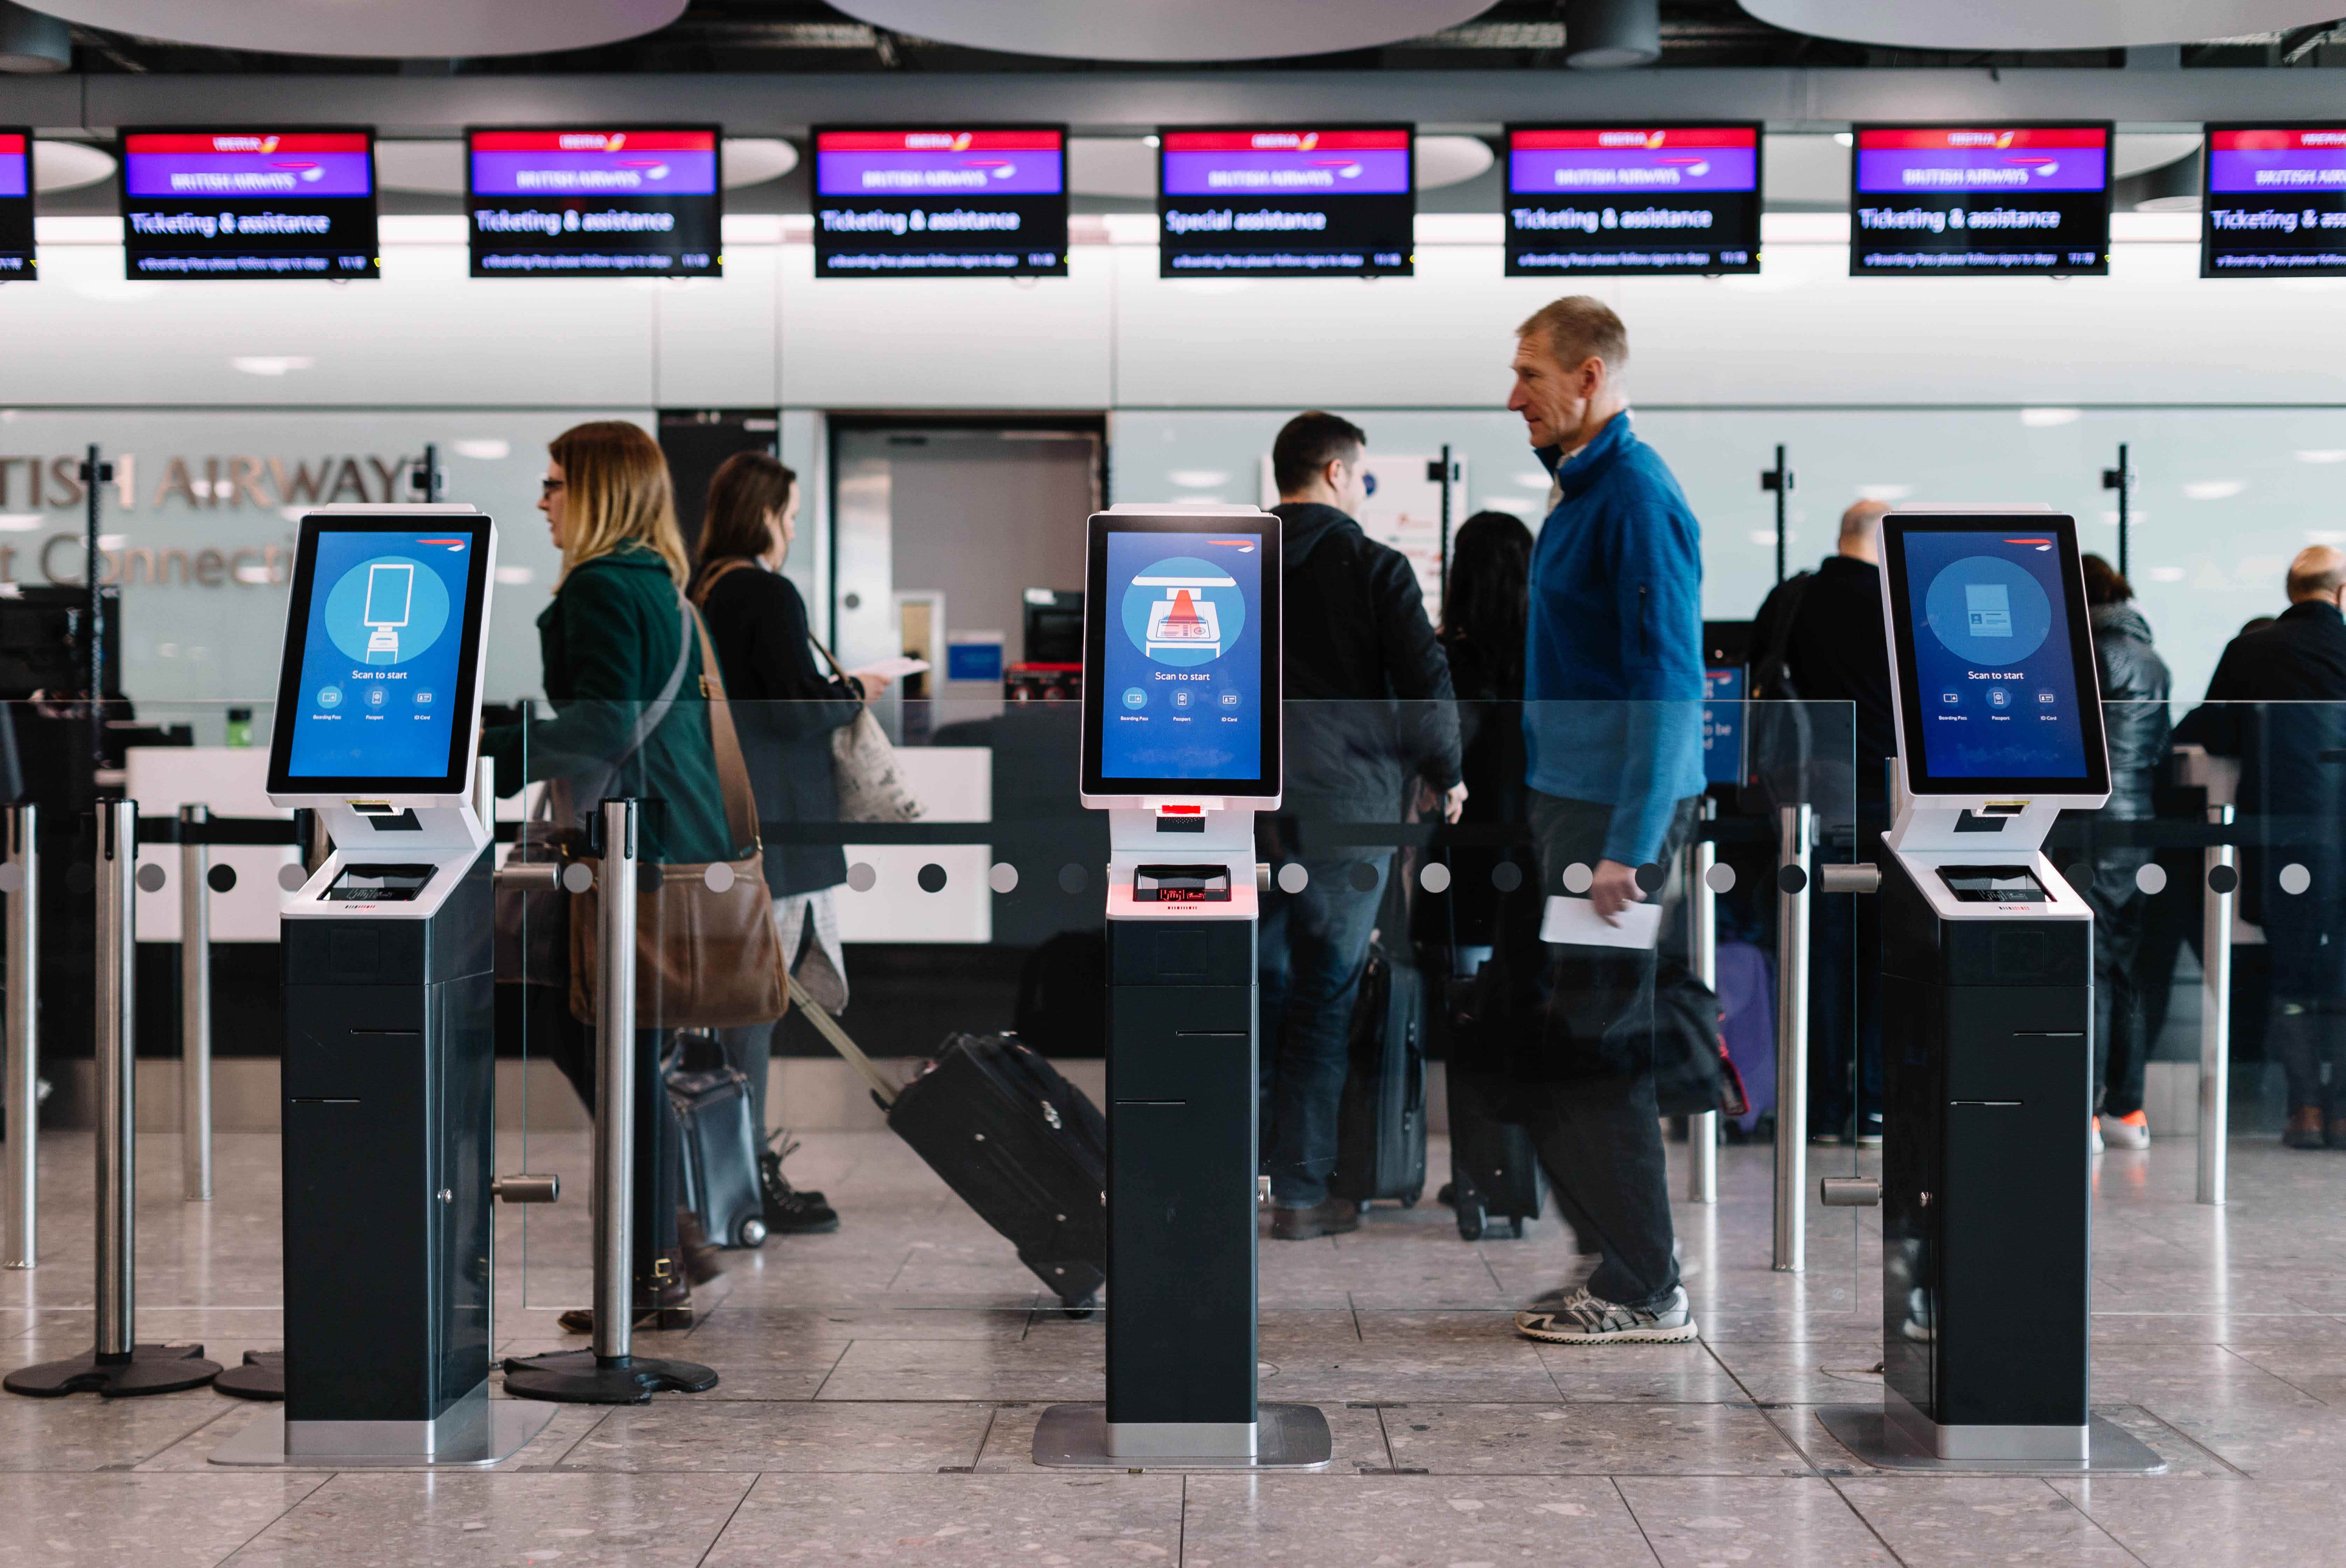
x=1575 y=922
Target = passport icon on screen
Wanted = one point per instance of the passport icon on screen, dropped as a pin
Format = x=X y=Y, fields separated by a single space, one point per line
x=1988 y=608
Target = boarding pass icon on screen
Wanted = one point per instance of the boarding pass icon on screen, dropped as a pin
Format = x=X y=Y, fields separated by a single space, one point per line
x=1184 y=619
x=1988 y=607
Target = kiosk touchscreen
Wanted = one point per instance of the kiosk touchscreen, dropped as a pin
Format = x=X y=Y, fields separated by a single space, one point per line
x=389 y=1059
x=1987 y=998
x=1181 y=748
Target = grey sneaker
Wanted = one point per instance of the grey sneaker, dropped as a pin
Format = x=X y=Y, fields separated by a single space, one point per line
x=1586 y=1319
x=1583 y=1267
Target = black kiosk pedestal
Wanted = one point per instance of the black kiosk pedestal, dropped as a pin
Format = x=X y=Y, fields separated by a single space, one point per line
x=1181 y=747
x=389 y=1059
x=1987 y=963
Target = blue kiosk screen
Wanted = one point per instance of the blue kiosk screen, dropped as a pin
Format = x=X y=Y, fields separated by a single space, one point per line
x=1183 y=691
x=2001 y=697
x=383 y=653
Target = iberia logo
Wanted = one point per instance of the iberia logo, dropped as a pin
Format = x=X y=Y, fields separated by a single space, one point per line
x=2005 y=139
x=961 y=142
x=1311 y=139
x=618 y=139
x=1656 y=139
x=269 y=144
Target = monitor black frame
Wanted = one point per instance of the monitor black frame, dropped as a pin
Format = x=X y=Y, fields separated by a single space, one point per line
x=465 y=723
x=130 y=248
x=32 y=272
x=1758 y=194
x=1098 y=613
x=716 y=244
x=2208 y=194
x=1408 y=268
x=2109 y=187
x=1066 y=187
x=2085 y=671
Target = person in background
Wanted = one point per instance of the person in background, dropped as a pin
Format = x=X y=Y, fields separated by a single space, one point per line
x=1483 y=609
x=786 y=708
x=1370 y=720
x=622 y=671
x=2278 y=702
x=2135 y=689
x=1818 y=639
x=1613 y=737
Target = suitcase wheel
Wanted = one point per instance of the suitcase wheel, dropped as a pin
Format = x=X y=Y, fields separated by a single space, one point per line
x=1470 y=1214
x=1409 y=1199
x=749 y=1233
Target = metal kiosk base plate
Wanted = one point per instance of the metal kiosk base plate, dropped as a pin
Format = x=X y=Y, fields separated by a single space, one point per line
x=2110 y=1448
x=1286 y=1437
x=511 y=1424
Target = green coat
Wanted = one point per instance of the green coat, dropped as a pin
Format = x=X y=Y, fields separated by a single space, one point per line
x=608 y=642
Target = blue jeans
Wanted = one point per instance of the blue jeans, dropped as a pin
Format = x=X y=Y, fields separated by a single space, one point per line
x=1314 y=946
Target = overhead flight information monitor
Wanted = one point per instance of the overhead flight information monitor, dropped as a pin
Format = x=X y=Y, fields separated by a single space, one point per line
x=586 y=201
x=921 y=202
x=1178 y=697
x=1632 y=199
x=17 y=261
x=1993 y=652
x=249 y=203
x=1278 y=202
x=2273 y=203
x=381 y=656
x=1981 y=201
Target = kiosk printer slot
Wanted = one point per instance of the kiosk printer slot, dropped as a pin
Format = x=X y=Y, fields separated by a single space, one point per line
x=1182 y=748
x=389 y=1063
x=1987 y=975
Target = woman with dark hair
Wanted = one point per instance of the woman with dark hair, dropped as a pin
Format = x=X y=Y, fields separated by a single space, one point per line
x=622 y=671
x=1485 y=607
x=787 y=706
x=2135 y=687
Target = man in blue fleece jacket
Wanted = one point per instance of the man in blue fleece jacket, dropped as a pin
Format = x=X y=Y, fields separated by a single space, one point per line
x=1612 y=727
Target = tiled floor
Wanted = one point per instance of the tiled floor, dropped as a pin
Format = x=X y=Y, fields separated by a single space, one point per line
x=881 y=1387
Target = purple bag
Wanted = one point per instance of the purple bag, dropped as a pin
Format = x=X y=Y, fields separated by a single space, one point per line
x=1747 y=996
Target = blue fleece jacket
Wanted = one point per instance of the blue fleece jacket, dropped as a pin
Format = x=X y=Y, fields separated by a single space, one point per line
x=1613 y=666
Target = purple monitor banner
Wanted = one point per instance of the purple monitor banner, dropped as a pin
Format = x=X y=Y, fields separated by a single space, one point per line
x=1227 y=164
x=1916 y=162
x=594 y=173
x=179 y=165
x=2277 y=162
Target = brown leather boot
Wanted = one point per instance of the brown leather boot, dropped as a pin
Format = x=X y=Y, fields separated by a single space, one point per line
x=2305 y=1128
x=702 y=1261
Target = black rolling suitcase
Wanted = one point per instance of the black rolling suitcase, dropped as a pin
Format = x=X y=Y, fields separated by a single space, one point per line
x=711 y=1102
x=1381 y=1121
x=1495 y=1168
x=1018 y=1142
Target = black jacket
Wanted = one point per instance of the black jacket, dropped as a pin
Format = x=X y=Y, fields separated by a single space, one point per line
x=1368 y=687
x=1490 y=689
x=785 y=706
x=2293 y=770
x=1835 y=652
x=2135 y=689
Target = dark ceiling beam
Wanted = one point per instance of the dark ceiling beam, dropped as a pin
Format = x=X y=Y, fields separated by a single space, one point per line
x=1110 y=101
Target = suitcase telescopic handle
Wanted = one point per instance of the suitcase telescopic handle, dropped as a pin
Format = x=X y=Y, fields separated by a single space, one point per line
x=868 y=1070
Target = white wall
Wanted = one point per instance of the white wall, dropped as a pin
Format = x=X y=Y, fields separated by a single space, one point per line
x=1918 y=383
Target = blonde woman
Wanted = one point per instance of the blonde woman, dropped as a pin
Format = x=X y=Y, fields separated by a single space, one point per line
x=623 y=677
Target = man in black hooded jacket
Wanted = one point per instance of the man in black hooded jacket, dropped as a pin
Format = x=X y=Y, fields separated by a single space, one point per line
x=1369 y=717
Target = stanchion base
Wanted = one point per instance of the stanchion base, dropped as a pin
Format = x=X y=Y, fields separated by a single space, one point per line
x=1286 y=1437
x=262 y=1377
x=511 y=1425
x=580 y=1377
x=2110 y=1448
x=147 y=1370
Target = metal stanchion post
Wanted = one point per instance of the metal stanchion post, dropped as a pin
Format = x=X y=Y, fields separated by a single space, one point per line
x=1702 y=957
x=119 y=1365
x=195 y=1005
x=1793 y=829
x=611 y=1374
x=2222 y=875
x=20 y=879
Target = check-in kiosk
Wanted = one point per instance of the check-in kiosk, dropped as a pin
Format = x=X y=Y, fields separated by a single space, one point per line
x=1181 y=748
x=1987 y=961
x=389 y=1060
